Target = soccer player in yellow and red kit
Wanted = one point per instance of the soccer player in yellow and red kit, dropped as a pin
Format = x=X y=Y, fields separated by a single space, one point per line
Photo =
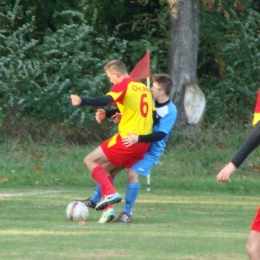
x=134 y=101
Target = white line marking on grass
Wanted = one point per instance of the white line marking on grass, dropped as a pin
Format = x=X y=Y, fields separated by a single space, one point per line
x=28 y=193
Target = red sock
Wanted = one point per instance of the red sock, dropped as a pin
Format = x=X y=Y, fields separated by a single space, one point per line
x=112 y=182
x=108 y=207
x=110 y=179
x=100 y=176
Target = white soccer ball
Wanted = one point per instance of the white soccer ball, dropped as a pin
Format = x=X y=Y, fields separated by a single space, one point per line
x=77 y=211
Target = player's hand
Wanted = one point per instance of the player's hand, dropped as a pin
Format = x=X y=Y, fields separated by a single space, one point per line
x=130 y=140
x=225 y=173
x=75 y=100
x=117 y=117
x=100 y=115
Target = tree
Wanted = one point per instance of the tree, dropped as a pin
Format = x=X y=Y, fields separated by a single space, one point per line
x=229 y=58
x=183 y=51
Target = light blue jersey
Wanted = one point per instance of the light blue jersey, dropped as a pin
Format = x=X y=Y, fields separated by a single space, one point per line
x=166 y=114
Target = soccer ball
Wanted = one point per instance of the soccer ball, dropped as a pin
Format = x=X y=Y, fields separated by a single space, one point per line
x=77 y=211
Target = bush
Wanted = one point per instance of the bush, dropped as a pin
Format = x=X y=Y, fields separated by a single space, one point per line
x=229 y=60
x=37 y=79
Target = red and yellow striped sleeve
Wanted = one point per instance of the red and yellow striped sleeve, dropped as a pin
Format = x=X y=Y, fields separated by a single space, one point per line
x=256 y=117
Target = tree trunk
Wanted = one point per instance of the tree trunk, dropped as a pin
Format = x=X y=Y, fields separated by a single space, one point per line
x=184 y=34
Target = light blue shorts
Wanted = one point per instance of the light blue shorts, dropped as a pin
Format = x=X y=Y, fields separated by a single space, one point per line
x=144 y=166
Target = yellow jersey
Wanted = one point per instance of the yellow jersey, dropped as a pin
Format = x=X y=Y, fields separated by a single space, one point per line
x=135 y=103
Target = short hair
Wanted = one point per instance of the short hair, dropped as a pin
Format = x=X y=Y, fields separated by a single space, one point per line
x=116 y=65
x=164 y=81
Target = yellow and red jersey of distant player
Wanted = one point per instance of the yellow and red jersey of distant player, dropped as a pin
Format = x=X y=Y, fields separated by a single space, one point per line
x=135 y=103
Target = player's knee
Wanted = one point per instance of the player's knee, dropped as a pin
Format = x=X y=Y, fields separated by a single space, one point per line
x=132 y=177
x=253 y=250
x=85 y=161
x=249 y=249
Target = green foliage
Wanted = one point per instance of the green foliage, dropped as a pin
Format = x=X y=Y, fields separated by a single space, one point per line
x=39 y=73
x=37 y=79
x=16 y=67
x=73 y=59
x=55 y=162
x=51 y=49
x=145 y=25
x=43 y=13
x=229 y=60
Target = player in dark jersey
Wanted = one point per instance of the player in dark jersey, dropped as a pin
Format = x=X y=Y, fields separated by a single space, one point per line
x=251 y=143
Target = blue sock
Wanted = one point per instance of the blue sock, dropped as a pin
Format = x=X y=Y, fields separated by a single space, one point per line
x=97 y=196
x=132 y=190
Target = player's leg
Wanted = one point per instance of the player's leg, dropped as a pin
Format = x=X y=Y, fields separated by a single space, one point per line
x=132 y=190
x=96 y=158
x=93 y=163
x=253 y=243
x=109 y=213
x=119 y=154
x=97 y=195
x=109 y=168
x=142 y=167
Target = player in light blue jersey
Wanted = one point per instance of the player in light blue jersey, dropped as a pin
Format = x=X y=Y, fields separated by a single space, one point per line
x=166 y=114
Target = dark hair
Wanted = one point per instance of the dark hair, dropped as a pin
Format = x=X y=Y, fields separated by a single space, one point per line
x=116 y=65
x=164 y=81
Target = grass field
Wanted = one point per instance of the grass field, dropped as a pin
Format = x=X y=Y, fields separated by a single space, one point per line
x=186 y=216
x=168 y=224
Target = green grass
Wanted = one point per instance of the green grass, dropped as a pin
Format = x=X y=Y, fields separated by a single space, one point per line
x=184 y=165
x=186 y=216
x=167 y=225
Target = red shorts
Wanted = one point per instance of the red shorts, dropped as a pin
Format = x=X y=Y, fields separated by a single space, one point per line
x=256 y=222
x=118 y=154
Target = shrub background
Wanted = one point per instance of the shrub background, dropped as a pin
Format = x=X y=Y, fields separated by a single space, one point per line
x=49 y=50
